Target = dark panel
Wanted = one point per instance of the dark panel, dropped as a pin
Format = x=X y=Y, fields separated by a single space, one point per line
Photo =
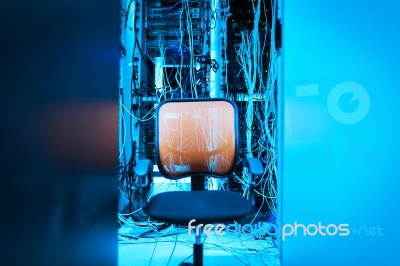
x=59 y=120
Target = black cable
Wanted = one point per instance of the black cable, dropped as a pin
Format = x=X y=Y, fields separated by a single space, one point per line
x=159 y=228
x=173 y=249
x=144 y=59
x=123 y=50
x=127 y=13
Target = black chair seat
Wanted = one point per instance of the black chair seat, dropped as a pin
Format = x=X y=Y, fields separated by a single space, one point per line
x=179 y=207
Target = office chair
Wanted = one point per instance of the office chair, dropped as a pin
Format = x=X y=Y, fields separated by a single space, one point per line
x=197 y=138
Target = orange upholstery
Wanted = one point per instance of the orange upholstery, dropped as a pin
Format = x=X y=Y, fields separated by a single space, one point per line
x=196 y=138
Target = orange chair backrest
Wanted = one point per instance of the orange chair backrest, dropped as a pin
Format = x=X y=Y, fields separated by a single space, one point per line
x=196 y=137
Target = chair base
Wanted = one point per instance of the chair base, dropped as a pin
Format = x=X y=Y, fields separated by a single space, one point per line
x=197 y=256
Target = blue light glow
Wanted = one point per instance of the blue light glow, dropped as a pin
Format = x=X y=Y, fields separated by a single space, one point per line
x=339 y=152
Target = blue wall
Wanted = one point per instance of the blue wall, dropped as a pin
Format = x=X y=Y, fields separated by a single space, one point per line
x=339 y=100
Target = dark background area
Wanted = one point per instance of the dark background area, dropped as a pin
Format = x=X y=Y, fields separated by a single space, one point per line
x=59 y=121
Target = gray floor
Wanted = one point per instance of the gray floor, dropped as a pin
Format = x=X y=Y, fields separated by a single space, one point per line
x=173 y=245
